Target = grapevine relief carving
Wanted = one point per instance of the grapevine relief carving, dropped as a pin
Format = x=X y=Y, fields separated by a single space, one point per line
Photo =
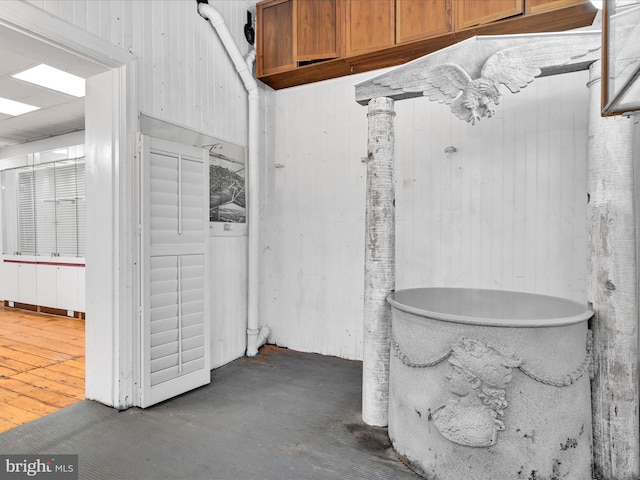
x=478 y=378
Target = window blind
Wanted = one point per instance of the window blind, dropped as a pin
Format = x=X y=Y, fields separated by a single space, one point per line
x=26 y=212
x=50 y=209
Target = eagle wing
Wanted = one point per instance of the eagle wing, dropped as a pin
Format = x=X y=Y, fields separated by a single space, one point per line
x=516 y=67
x=442 y=84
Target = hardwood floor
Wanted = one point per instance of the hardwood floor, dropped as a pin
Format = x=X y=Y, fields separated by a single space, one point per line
x=41 y=365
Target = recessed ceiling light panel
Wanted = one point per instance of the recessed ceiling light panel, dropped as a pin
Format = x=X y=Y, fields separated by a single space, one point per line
x=11 y=107
x=49 y=77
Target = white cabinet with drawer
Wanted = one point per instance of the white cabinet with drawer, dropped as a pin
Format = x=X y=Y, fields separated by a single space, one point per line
x=44 y=281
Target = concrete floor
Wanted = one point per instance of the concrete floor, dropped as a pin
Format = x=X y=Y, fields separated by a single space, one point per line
x=281 y=415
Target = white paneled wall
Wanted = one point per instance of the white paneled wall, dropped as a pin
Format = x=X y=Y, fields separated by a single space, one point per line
x=507 y=210
x=184 y=76
x=184 y=73
x=229 y=299
x=313 y=226
x=504 y=211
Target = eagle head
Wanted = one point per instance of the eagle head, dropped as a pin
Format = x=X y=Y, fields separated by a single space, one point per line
x=488 y=91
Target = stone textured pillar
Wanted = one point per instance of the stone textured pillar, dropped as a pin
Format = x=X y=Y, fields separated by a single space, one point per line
x=612 y=288
x=379 y=269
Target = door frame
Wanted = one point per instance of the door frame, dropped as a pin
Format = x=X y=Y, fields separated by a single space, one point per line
x=112 y=289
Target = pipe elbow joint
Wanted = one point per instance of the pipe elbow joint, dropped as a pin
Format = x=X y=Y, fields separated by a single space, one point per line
x=256 y=338
x=208 y=12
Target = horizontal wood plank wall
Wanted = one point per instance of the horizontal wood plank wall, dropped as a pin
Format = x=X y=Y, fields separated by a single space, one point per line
x=186 y=77
x=41 y=365
x=506 y=211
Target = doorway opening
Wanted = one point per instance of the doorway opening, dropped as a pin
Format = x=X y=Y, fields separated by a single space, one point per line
x=55 y=376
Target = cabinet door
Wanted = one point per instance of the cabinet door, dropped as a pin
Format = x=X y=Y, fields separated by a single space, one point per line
x=538 y=6
x=9 y=279
x=470 y=13
x=417 y=19
x=81 y=290
x=67 y=292
x=370 y=25
x=275 y=36
x=27 y=280
x=317 y=33
x=47 y=286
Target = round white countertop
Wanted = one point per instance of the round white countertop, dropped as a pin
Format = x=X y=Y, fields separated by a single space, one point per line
x=489 y=307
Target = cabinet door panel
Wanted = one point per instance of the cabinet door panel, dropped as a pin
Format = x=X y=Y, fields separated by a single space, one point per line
x=67 y=291
x=81 y=290
x=370 y=25
x=27 y=280
x=537 y=6
x=10 y=281
x=46 y=286
x=470 y=13
x=416 y=19
x=316 y=29
x=275 y=36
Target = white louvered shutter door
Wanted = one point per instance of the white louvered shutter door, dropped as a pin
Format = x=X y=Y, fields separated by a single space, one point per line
x=175 y=316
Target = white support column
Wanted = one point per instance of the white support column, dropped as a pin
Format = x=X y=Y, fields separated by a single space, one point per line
x=612 y=288
x=379 y=269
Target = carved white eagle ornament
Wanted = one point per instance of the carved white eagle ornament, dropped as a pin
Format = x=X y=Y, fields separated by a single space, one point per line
x=473 y=98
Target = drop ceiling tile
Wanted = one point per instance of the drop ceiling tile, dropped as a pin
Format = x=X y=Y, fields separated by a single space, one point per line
x=31 y=94
x=16 y=90
x=11 y=62
x=16 y=136
x=59 y=113
x=33 y=121
x=61 y=128
x=45 y=98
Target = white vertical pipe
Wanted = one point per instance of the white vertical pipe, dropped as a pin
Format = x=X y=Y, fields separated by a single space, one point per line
x=379 y=267
x=255 y=335
x=253 y=196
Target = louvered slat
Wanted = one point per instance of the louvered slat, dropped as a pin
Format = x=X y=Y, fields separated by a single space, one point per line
x=175 y=328
x=182 y=334
x=177 y=213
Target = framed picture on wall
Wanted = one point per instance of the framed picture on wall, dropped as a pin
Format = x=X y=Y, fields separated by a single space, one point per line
x=227 y=199
x=620 y=56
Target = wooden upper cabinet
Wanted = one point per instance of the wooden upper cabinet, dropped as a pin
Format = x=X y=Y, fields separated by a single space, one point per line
x=304 y=41
x=317 y=32
x=418 y=19
x=470 y=13
x=275 y=36
x=292 y=33
x=537 y=6
x=369 y=25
